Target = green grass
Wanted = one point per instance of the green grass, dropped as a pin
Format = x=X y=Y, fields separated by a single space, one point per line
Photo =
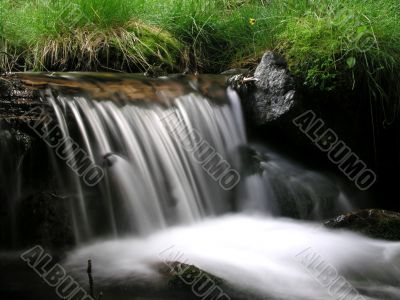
x=332 y=43
x=84 y=35
x=329 y=44
x=119 y=34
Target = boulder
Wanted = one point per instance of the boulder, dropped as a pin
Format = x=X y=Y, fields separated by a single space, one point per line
x=269 y=94
x=189 y=281
x=275 y=89
x=177 y=273
x=375 y=223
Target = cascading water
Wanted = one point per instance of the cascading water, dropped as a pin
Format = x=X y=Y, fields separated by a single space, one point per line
x=280 y=187
x=266 y=257
x=159 y=194
x=150 y=180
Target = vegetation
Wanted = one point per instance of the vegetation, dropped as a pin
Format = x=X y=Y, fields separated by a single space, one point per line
x=328 y=43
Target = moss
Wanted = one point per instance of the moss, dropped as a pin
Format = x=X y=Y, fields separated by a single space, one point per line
x=181 y=273
x=374 y=223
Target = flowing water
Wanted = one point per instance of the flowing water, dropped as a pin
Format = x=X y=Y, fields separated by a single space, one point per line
x=169 y=167
x=152 y=179
x=269 y=258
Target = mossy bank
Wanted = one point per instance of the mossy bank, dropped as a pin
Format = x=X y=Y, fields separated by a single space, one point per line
x=328 y=44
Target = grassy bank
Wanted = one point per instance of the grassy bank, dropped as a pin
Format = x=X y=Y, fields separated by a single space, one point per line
x=328 y=43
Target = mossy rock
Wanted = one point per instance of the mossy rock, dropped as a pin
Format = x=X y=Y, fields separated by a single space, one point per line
x=180 y=275
x=375 y=223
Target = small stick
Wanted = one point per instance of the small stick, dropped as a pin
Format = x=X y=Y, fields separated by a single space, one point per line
x=89 y=272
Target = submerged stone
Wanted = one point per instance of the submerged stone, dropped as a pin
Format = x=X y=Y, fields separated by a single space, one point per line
x=375 y=223
x=182 y=275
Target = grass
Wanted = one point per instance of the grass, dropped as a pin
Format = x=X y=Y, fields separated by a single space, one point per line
x=83 y=35
x=329 y=44
x=130 y=35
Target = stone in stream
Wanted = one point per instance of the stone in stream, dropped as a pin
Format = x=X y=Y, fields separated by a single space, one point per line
x=193 y=281
x=181 y=274
x=375 y=223
x=269 y=94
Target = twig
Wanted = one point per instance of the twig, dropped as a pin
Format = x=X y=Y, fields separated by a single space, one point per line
x=89 y=272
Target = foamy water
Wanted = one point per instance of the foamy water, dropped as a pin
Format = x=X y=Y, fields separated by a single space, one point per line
x=261 y=255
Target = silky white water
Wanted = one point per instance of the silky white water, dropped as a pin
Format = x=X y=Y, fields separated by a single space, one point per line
x=158 y=200
x=151 y=181
x=256 y=254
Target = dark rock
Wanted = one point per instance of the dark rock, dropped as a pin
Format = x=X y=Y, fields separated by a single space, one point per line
x=44 y=219
x=270 y=93
x=186 y=278
x=177 y=273
x=375 y=223
x=275 y=89
x=290 y=189
x=251 y=160
x=109 y=160
x=24 y=164
x=14 y=148
x=16 y=100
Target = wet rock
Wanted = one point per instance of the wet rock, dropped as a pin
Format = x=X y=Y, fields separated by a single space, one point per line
x=290 y=190
x=16 y=100
x=375 y=223
x=179 y=274
x=251 y=161
x=193 y=282
x=275 y=89
x=44 y=219
x=269 y=94
x=14 y=148
x=15 y=139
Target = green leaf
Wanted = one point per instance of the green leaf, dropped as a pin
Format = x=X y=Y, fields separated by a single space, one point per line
x=362 y=29
x=351 y=62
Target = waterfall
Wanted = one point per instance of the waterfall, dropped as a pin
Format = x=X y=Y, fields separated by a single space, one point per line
x=161 y=164
x=140 y=155
x=282 y=187
x=160 y=171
